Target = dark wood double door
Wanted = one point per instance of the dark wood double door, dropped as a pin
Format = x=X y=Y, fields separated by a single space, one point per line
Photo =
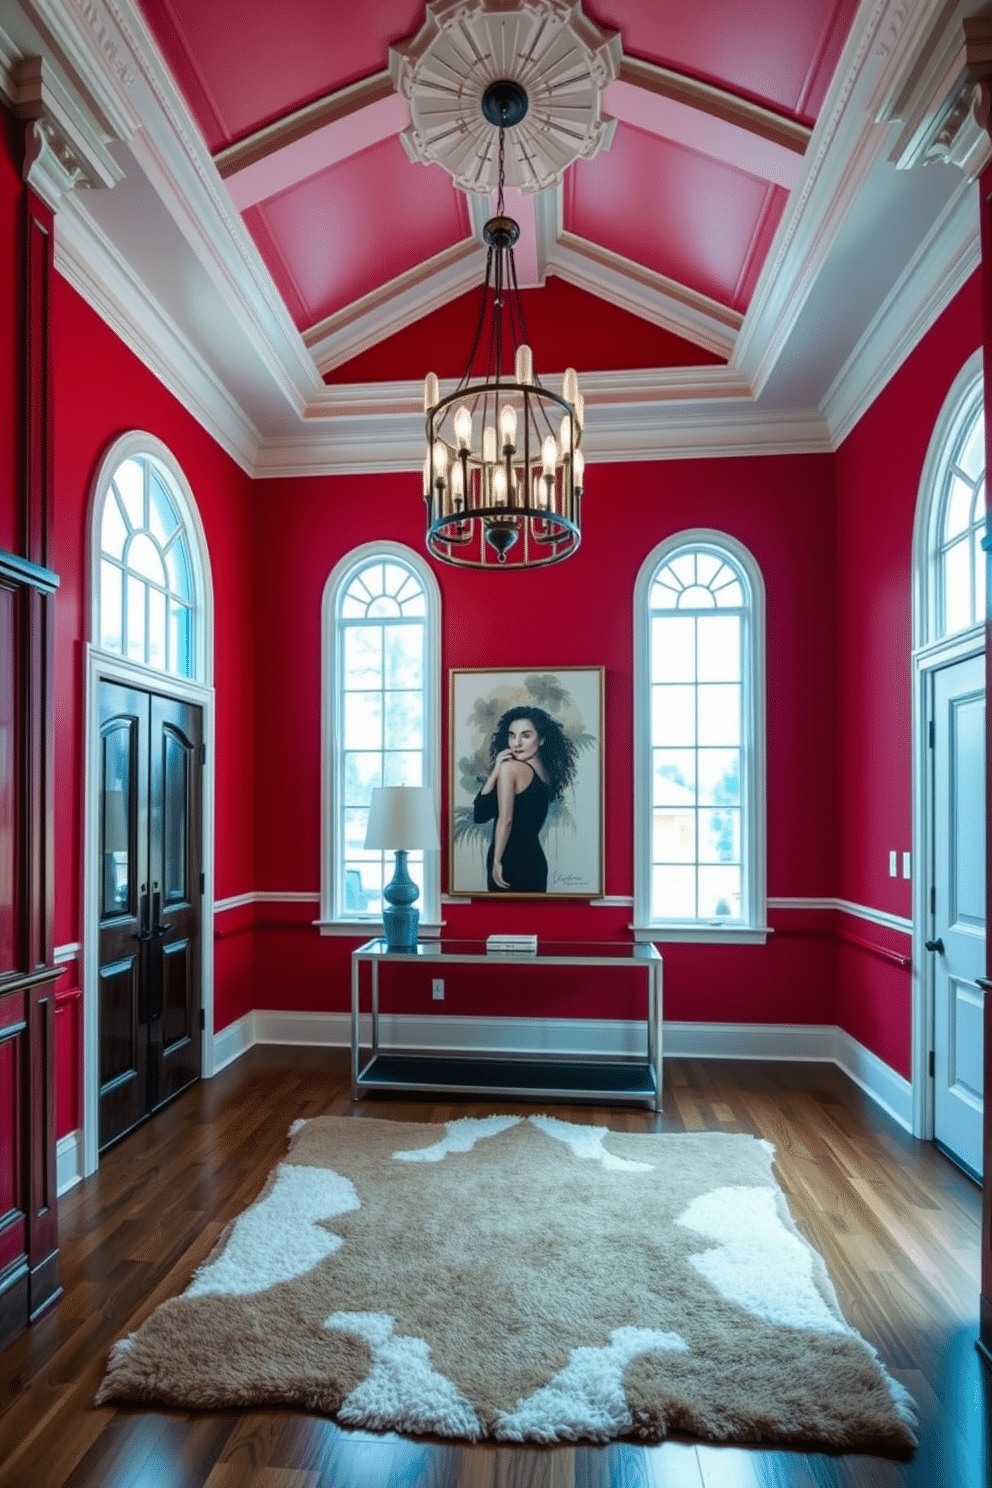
x=150 y=996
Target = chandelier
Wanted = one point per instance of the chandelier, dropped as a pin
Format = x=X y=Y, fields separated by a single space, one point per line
x=504 y=469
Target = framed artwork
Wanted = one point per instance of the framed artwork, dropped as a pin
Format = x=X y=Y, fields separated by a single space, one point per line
x=526 y=764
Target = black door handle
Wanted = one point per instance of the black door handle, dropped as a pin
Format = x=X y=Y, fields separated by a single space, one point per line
x=935 y=945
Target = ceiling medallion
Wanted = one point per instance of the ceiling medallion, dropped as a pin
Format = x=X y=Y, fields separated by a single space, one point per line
x=556 y=56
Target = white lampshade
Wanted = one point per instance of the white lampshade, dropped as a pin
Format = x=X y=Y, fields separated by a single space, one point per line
x=402 y=816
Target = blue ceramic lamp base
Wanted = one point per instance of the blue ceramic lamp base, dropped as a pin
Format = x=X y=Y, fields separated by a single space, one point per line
x=401 y=919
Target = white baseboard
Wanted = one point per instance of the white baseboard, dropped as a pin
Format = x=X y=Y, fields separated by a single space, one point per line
x=823 y=1043
x=68 y=1161
x=887 y=1088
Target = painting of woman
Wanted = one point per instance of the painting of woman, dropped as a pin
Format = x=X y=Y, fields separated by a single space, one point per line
x=526 y=779
x=532 y=762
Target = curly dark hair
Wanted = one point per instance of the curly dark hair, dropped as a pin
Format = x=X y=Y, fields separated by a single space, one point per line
x=557 y=751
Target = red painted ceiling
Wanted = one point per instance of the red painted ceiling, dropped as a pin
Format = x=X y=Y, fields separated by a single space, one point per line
x=655 y=206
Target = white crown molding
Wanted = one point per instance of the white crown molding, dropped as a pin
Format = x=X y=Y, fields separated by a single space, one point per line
x=844 y=146
x=941 y=266
x=90 y=263
x=383 y=439
x=654 y=297
x=395 y=304
x=176 y=163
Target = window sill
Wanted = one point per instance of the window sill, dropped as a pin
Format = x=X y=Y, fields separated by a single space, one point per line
x=704 y=934
x=372 y=929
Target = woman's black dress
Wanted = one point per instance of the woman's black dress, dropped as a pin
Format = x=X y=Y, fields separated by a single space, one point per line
x=525 y=867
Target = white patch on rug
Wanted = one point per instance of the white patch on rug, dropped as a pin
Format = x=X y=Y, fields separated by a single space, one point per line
x=759 y=1263
x=403 y=1391
x=278 y=1237
x=586 y=1399
x=586 y=1142
x=460 y=1136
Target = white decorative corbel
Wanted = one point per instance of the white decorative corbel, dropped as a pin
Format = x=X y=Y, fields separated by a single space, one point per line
x=65 y=146
x=943 y=100
x=50 y=168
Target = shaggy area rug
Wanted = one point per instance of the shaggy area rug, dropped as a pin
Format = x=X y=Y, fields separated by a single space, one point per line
x=523 y=1280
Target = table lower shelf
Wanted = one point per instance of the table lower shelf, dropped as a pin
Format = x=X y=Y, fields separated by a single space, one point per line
x=557 y=1079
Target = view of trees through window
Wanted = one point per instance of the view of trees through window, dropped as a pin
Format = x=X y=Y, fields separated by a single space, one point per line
x=697 y=612
x=961 y=526
x=146 y=587
x=381 y=636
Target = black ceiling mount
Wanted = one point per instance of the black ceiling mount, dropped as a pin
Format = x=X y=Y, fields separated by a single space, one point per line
x=501 y=232
x=504 y=103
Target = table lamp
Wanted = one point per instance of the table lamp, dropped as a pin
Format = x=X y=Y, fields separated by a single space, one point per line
x=401 y=819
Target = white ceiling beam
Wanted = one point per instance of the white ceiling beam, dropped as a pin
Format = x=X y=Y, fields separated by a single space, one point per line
x=708 y=119
x=396 y=304
x=311 y=139
x=654 y=297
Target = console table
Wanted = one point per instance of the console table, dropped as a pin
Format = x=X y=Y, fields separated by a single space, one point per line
x=561 y=1076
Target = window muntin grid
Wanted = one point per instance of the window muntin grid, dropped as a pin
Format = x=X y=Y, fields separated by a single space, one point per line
x=147 y=601
x=698 y=615
x=961 y=521
x=381 y=635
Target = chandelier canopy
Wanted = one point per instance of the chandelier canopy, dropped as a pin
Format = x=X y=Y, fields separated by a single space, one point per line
x=504 y=469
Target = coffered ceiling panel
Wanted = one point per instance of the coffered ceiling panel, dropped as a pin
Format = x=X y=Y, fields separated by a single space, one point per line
x=723 y=219
x=778 y=52
x=674 y=211
x=330 y=239
x=242 y=66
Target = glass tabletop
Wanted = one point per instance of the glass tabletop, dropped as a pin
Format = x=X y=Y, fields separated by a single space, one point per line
x=547 y=950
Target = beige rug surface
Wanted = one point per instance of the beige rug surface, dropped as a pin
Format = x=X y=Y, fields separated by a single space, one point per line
x=523 y=1279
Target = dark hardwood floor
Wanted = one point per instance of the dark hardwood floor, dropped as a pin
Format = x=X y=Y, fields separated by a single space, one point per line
x=897 y=1224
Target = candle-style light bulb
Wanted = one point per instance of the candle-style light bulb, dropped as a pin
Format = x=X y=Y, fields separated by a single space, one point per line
x=427 y=476
x=508 y=426
x=524 y=365
x=579 y=404
x=440 y=460
x=578 y=469
x=463 y=428
x=549 y=454
x=432 y=391
x=499 y=486
x=566 y=434
x=489 y=444
x=457 y=484
x=570 y=386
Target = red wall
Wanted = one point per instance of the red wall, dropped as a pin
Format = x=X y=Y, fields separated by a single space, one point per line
x=832 y=536
x=576 y=614
x=878 y=475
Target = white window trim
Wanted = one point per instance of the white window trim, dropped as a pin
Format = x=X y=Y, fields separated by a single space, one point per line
x=330 y=805
x=963 y=401
x=138 y=443
x=755 y=930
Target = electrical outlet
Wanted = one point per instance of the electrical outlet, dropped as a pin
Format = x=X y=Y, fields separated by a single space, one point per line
x=437 y=989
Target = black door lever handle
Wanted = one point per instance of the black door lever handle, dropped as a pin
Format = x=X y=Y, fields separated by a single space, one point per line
x=935 y=945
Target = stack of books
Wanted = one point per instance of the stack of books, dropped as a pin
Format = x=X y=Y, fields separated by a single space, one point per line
x=524 y=945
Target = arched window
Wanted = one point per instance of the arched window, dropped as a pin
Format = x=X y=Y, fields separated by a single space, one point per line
x=148 y=591
x=381 y=719
x=959 y=526
x=700 y=740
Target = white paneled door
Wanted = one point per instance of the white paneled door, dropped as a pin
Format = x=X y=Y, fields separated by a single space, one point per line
x=958 y=923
